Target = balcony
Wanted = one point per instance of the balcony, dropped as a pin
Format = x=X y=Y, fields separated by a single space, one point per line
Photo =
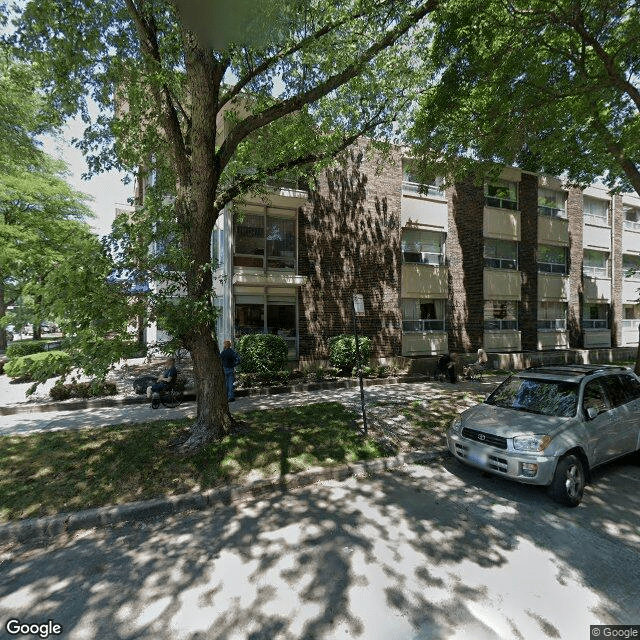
x=631 y=240
x=630 y=332
x=502 y=224
x=630 y=291
x=559 y=324
x=596 y=338
x=553 y=287
x=501 y=284
x=418 y=209
x=424 y=281
x=422 y=325
x=552 y=339
x=596 y=289
x=597 y=238
x=430 y=343
x=504 y=340
x=553 y=231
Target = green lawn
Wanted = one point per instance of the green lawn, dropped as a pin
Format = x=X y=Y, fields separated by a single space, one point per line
x=47 y=473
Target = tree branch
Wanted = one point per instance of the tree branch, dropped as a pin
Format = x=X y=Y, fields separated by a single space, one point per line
x=280 y=109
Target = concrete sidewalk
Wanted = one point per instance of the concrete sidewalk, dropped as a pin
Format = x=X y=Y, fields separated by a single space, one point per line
x=25 y=423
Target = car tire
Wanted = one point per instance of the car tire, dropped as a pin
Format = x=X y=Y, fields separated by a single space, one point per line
x=568 y=481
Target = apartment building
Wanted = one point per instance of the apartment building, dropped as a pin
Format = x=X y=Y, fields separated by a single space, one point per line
x=522 y=263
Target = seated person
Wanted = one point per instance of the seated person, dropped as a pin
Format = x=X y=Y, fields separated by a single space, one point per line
x=479 y=365
x=446 y=367
x=168 y=377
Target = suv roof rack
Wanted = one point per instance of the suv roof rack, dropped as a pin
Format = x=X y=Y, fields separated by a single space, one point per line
x=575 y=369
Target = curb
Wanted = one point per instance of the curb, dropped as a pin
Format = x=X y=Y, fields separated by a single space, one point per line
x=50 y=526
x=99 y=403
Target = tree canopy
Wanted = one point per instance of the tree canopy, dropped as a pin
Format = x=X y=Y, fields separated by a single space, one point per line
x=215 y=120
x=550 y=87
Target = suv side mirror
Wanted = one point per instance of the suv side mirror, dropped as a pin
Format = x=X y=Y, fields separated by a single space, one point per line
x=592 y=412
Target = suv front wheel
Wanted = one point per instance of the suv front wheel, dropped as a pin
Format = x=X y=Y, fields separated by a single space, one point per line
x=568 y=482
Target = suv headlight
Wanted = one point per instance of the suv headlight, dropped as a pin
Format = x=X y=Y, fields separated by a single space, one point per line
x=456 y=426
x=531 y=443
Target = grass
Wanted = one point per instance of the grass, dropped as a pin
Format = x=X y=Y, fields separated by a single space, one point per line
x=48 y=473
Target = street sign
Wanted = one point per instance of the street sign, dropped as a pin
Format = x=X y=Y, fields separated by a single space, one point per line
x=358 y=304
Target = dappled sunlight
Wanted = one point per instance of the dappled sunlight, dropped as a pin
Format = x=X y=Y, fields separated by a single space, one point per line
x=428 y=551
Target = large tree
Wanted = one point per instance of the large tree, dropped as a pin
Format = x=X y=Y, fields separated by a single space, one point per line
x=39 y=212
x=551 y=87
x=214 y=116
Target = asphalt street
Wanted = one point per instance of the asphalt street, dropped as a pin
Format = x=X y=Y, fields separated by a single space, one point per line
x=433 y=552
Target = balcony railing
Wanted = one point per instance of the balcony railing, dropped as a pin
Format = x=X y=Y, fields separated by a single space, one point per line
x=422 y=325
x=559 y=324
x=595 y=324
x=552 y=212
x=595 y=272
x=631 y=324
x=600 y=221
x=633 y=225
x=500 y=325
x=501 y=203
x=423 y=189
x=552 y=267
x=423 y=257
x=501 y=263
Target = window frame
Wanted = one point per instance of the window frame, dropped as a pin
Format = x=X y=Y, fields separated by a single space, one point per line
x=552 y=212
x=497 y=201
x=499 y=261
x=553 y=265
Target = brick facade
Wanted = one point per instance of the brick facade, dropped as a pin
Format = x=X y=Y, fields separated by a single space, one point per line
x=528 y=261
x=616 y=271
x=465 y=313
x=349 y=242
x=576 y=233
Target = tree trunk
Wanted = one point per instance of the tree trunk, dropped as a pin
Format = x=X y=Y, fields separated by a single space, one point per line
x=37 y=331
x=3 y=310
x=637 y=367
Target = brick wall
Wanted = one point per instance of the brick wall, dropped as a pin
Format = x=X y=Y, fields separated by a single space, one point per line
x=617 y=272
x=465 y=313
x=527 y=261
x=574 y=215
x=349 y=242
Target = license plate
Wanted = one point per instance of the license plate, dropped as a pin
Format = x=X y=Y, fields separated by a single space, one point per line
x=477 y=458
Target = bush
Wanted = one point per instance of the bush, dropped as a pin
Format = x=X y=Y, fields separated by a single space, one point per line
x=38 y=366
x=262 y=353
x=91 y=389
x=25 y=348
x=264 y=378
x=342 y=351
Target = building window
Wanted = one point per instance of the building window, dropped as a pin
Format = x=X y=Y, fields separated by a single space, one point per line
x=552 y=259
x=422 y=247
x=595 y=211
x=266 y=241
x=631 y=266
x=423 y=315
x=267 y=314
x=500 y=254
x=552 y=203
x=631 y=218
x=433 y=186
x=595 y=316
x=631 y=318
x=552 y=316
x=501 y=194
x=595 y=264
x=500 y=315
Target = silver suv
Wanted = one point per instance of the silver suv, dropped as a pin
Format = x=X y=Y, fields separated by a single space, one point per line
x=551 y=425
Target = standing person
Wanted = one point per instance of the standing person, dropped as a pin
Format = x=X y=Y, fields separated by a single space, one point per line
x=170 y=374
x=230 y=360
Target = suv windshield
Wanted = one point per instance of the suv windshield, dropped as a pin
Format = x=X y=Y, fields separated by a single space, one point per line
x=547 y=397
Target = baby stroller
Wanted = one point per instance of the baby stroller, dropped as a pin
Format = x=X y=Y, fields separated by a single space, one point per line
x=445 y=369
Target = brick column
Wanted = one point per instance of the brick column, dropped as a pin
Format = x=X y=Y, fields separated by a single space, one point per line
x=576 y=255
x=617 y=271
x=465 y=311
x=351 y=232
x=528 y=262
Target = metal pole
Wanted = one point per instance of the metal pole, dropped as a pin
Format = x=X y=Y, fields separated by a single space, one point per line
x=355 y=331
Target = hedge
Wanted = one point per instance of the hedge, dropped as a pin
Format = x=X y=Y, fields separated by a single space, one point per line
x=82 y=390
x=25 y=348
x=38 y=366
x=342 y=351
x=262 y=353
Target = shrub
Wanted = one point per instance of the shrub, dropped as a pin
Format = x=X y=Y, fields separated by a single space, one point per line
x=342 y=351
x=25 y=348
x=91 y=389
x=264 y=378
x=262 y=353
x=38 y=366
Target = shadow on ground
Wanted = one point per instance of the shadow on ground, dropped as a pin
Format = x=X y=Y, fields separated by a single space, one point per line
x=425 y=552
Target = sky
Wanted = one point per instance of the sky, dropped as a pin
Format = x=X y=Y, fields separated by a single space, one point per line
x=106 y=189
